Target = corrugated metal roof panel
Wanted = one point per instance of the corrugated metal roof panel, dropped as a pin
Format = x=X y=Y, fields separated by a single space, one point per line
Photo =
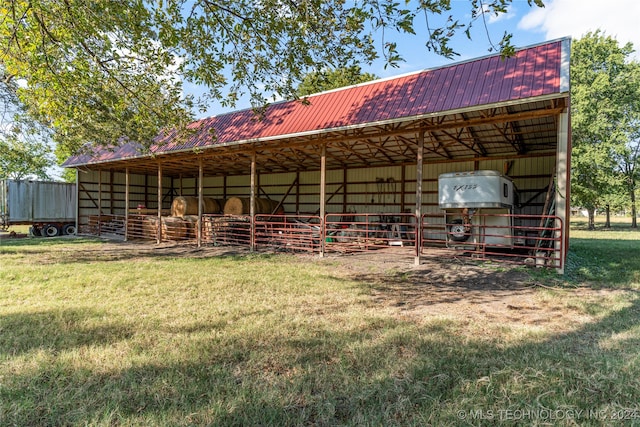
x=531 y=72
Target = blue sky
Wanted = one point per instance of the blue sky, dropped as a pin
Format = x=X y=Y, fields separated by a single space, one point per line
x=529 y=25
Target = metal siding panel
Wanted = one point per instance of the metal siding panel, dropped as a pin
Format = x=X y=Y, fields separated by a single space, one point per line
x=367 y=103
x=550 y=78
x=41 y=201
x=437 y=96
x=417 y=96
x=452 y=92
x=509 y=76
x=479 y=73
x=393 y=99
x=444 y=82
x=464 y=91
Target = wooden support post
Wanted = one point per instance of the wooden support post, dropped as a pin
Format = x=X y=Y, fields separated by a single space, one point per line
x=419 y=164
x=99 y=202
x=126 y=204
x=159 y=231
x=323 y=195
x=200 y=202
x=77 y=201
x=252 y=202
x=563 y=165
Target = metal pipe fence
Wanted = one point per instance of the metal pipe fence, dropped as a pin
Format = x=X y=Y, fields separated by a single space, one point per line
x=521 y=239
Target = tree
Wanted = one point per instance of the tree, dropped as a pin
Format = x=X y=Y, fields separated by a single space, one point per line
x=327 y=79
x=628 y=156
x=603 y=109
x=24 y=144
x=96 y=71
x=21 y=159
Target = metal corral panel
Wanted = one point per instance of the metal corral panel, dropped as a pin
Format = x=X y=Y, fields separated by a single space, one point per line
x=35 y=201
x=475 y=189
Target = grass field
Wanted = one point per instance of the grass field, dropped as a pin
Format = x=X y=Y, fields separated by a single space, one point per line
x=96 y=334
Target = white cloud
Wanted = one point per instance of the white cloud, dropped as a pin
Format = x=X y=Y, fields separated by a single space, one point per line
x=510 y=14
x=575 y=18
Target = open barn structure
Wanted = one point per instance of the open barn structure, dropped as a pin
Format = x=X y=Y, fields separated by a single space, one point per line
x=466 y=159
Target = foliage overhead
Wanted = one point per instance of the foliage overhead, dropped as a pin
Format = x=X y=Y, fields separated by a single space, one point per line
x=605 y=108
x=96 y=71
x=323 y=80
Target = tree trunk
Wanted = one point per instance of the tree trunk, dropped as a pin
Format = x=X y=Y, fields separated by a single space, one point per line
x=634 y=214
x=607 y=223
x=592 y=222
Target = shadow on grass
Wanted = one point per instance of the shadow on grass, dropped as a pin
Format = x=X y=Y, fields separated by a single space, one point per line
x=437 y=283
x=57 y=330
x=83 y=250
x=389 y=372
x=604 y=262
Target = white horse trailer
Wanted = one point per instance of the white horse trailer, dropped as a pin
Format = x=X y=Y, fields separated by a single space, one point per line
x=478 y=207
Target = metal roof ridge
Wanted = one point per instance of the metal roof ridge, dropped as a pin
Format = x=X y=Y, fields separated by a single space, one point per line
x=389 y=78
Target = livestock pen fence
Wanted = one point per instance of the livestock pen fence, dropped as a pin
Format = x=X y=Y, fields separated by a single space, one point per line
x=511 y=238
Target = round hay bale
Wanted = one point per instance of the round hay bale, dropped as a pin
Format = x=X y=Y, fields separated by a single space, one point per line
x=210 y=206
x=237 y=206
x=241 y=206
x=184 y=205
x=268 y=206
x=188 y=205
x=174 y=228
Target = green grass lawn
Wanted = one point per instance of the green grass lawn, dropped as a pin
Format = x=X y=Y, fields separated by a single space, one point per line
x=94 y=335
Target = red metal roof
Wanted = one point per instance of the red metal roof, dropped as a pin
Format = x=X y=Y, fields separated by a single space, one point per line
x=531 y=72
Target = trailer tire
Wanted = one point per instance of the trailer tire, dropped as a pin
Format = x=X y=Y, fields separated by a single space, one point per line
x=35 y=231
x=50 y=230
x=69 y=229
x=458 y=231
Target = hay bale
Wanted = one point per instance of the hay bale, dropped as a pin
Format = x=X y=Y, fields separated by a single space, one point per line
x=150 y=227
x=174 y=228
x=191 y=222
x=188 y=205
x=237 y=206
x=242 y=206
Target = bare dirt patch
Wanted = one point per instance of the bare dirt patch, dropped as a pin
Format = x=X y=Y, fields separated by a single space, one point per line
x=465 y=290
